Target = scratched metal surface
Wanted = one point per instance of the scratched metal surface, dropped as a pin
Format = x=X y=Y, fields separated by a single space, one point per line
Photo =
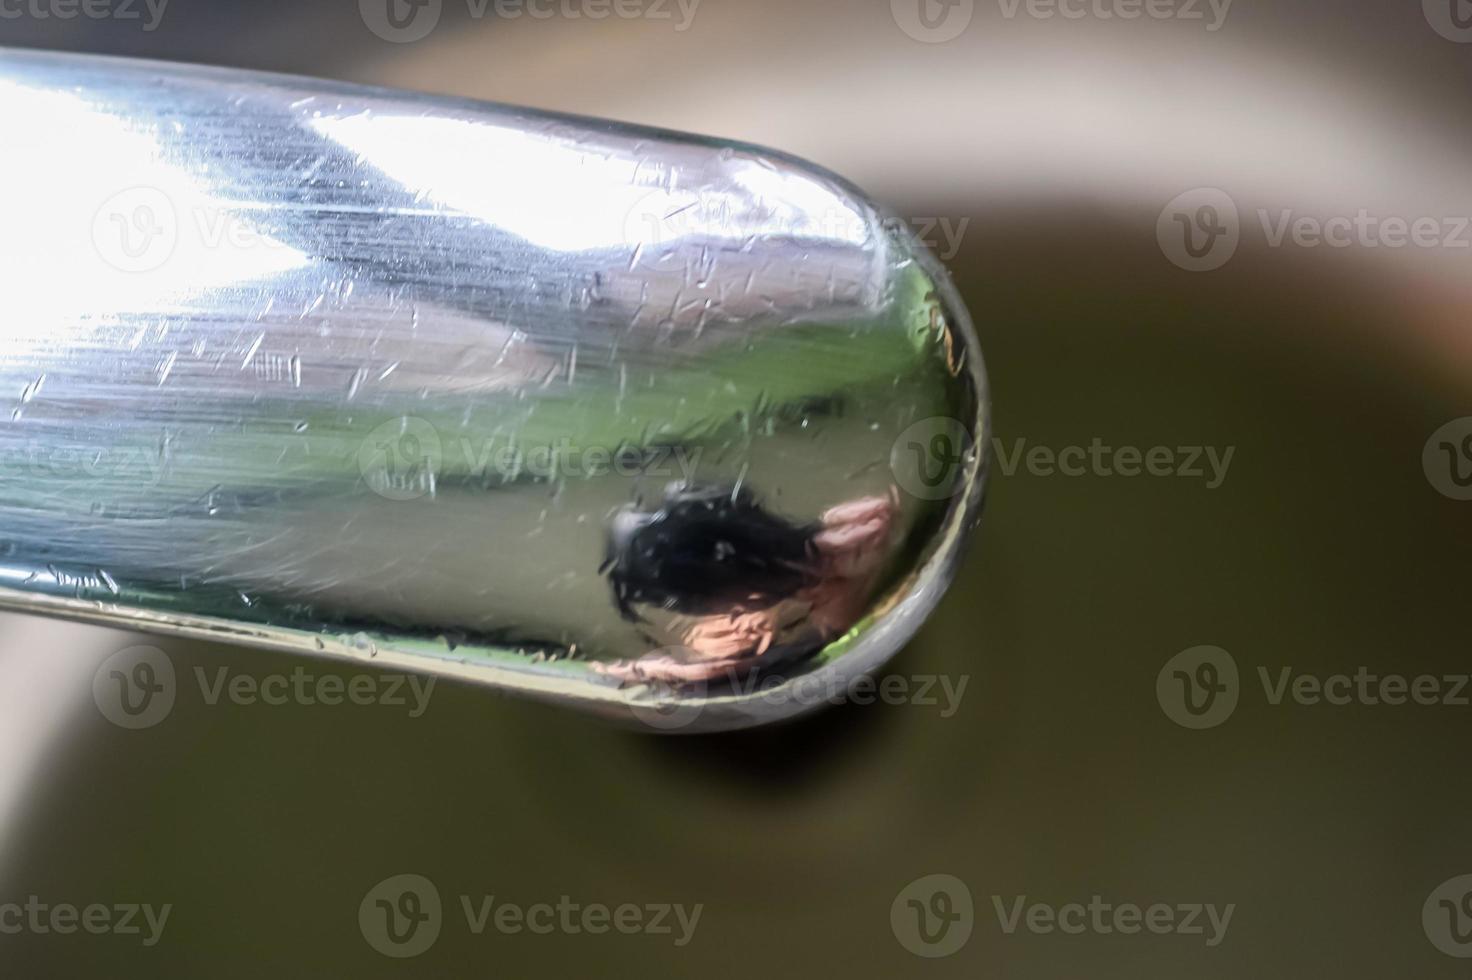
x=372 y=375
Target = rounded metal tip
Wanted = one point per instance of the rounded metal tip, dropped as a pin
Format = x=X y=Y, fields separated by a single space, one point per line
x=679 y=431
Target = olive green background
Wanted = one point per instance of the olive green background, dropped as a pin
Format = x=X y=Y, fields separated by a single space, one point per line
x=1060 y=778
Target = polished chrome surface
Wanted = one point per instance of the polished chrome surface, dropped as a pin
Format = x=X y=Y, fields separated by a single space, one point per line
x=677 y=430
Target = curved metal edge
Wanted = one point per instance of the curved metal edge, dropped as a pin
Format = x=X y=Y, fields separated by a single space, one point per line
x=891 y=628
x=898 y=624
x=894 y=627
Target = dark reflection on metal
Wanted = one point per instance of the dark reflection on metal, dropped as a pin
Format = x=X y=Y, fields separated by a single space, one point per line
x=747 y=589
x=371 y=375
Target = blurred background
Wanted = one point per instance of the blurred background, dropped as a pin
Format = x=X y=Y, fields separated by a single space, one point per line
x=1211 y=227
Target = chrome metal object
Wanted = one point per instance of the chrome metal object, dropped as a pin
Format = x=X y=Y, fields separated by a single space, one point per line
x=675 y=430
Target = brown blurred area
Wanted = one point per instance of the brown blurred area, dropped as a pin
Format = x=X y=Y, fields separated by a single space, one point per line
x=1041 y=153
